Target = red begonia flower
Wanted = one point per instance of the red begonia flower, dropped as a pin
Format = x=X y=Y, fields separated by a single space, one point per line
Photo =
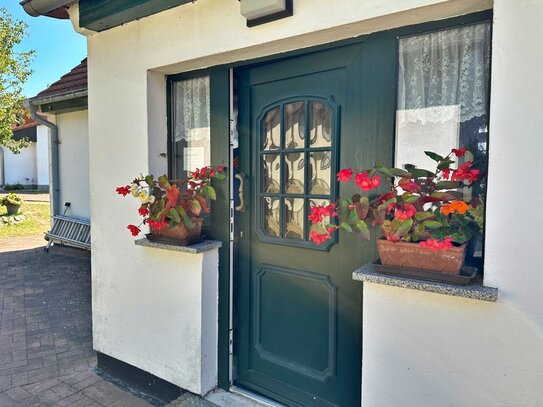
x=134 y=230
x=124 y=191
x=345 y=175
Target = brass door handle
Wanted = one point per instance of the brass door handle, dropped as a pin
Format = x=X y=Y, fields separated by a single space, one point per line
x=241 y=206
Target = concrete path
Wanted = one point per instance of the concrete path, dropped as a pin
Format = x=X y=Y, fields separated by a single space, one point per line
x=29 y=196
x=46 y=355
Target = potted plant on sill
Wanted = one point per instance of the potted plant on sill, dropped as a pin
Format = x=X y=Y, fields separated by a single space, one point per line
x=424 y=219
x=12 y=202
x=172 y=208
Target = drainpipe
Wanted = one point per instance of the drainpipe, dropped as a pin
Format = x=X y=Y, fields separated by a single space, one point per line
x=54 y=163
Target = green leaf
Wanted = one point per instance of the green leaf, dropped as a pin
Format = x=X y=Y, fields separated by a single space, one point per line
x=346 y=227
x=163 y=182
x=420 y=173
x=434 y=156
x=385 y=171
x=209 y=192
x=432 y=224
x=353 y=216
x=404 y=227
x=445 y=164
x=448 y=184
x=195 y=207
x=174 y=215
x=149 y=180
x=362 y=230
x=409 y=198
x=420 y=216
x=397 y=172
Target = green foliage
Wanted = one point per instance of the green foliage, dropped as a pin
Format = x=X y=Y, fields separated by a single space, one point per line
x=11 y=199
x=14 y=72
x=13 y=187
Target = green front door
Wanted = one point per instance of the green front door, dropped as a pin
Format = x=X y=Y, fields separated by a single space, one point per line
x=298 y=314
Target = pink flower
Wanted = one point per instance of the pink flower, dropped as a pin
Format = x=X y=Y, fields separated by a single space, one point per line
x=124 y=191
x=345 y=175
x=436 y=245
x=319 y=238
x=460 y=152
x=134 y=230
x=365 y=182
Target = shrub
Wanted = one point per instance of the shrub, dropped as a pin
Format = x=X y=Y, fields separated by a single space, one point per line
x=13 y=187
x=11 y=199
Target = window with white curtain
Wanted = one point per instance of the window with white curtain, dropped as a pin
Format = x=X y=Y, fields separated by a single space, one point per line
x=443 y=98
x=443 y=93
x=190 y=140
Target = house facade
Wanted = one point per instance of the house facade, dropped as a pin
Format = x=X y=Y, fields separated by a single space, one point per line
x=284 y=101
x=30 y=167
x=61 y=109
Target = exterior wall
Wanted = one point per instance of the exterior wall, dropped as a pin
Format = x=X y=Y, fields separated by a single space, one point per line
x=20 y=167
x=161 y=315
x=127 y=125
x=42 y=157
x=423 y=349
x=73 y=153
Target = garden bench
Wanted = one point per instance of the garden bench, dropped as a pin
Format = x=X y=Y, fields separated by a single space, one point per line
x=69 y=231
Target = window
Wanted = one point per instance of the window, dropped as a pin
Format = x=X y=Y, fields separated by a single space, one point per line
x=190 y=131
x=443 y=96
x=297 y=167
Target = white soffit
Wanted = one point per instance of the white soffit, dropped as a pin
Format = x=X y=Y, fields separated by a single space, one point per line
x=253 y=9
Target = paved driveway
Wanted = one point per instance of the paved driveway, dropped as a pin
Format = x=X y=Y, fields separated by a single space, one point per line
x=46 y=355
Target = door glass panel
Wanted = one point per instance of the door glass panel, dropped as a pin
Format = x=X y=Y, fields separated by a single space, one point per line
x=321 y=165
x=271 y=164
x=321 y=125
x=295 y=218
x=271 y=139
x=271 y=211
x=295 y=125
x=295 y=173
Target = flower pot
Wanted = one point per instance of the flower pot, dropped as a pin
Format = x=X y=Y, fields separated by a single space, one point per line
x=12 y=209
x=179 y=234
x=406 y=254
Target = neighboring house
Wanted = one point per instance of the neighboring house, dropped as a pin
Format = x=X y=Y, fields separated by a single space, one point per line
x=64 y=105
x=30 y=167
x=358 y=80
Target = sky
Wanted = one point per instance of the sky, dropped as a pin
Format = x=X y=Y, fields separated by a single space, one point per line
x=58 y=47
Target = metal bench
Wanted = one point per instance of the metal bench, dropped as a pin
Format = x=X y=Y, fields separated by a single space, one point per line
x=69 y=231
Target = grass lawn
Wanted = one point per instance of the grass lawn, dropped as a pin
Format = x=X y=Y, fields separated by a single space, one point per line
x=37 y=222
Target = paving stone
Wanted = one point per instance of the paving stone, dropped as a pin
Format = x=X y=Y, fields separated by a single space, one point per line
x=46 y=355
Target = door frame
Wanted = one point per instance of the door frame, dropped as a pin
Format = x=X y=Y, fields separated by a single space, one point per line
x=220 y=123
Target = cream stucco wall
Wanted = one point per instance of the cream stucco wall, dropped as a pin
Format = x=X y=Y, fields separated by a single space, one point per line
x=21 y=168
x=420 y=349
x=73 y=135
x=424 y=349
x=42 y=157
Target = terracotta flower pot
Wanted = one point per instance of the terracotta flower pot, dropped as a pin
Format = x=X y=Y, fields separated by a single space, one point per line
x=180 y=232
x=405 y=254
x=12 y=209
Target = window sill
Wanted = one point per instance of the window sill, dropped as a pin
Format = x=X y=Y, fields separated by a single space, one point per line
x=202 y=247
x=475 y=291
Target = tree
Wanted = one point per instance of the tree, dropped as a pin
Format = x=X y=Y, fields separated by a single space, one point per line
x=14 y=72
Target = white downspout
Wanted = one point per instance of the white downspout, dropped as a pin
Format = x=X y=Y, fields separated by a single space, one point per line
x=53 y=157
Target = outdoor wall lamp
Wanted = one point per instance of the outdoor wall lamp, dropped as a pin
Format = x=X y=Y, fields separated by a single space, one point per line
x=263 y=11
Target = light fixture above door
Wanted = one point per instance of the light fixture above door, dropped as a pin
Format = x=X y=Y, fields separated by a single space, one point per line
x=263 y=11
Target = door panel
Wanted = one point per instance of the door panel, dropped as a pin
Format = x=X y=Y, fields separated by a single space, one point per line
x=298 y=312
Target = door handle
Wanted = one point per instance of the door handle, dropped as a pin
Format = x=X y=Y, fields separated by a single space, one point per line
x=241 y=206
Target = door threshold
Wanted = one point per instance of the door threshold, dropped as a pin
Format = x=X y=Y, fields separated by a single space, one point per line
x=240 y=398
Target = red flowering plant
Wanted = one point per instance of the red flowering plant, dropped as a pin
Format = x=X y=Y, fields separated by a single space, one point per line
x=420 y=206
x=167 y=203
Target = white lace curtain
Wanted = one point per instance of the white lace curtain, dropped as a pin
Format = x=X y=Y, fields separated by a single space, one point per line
x=444 y=68
x=192 y=109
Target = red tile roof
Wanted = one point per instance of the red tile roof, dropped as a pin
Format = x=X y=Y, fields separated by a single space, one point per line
x=26 y=122
x=73 y=81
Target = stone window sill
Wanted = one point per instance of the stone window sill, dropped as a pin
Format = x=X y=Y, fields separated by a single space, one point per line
x=475 y=291
x=202 y=247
